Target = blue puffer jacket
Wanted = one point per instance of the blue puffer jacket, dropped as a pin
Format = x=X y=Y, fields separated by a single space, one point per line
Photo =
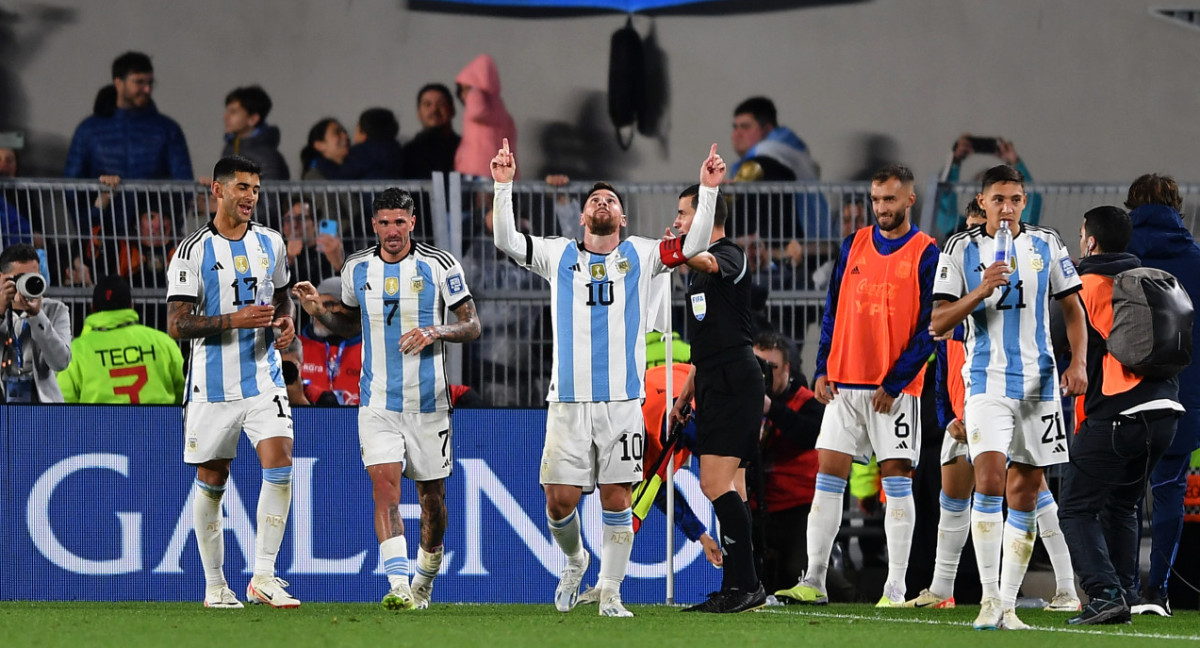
x=134 y=144
x=1161 y=241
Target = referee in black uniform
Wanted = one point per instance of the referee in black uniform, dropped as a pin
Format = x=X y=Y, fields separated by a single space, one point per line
x=728 y=387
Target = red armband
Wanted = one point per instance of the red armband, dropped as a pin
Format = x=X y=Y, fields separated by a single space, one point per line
x=671 y=252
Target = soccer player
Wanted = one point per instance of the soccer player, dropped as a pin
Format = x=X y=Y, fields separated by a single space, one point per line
x=870 y=371
x=958 y=480
x=727 y=383
x=600 y=298
x=217 y=300
x=1012 y=409
x=397 y=294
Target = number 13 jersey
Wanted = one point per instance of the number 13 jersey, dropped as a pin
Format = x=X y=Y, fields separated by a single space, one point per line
x=220 y=276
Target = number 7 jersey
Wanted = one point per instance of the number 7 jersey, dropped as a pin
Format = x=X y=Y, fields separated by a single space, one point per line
x=220 y=276
x=393 y=298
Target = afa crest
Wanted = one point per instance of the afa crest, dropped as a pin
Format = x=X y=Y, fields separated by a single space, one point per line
x=417 y=283
x=241 y=263
x=904 y=269
x=391 y=285
x=598 y=271
x=264 y=262
x=1037 y=263
x=623 y=266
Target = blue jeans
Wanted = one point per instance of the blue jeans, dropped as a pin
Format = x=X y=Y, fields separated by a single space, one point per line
x=1111 y=459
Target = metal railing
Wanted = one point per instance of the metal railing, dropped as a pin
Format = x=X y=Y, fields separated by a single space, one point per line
x=791 y=231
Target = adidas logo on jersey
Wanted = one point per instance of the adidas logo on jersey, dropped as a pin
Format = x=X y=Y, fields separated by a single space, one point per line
x=903 y=445
x=980 y=268
x=366 y=286
x=1058 y=447
x=216 y=266
x=574 y=268
x=854 y=271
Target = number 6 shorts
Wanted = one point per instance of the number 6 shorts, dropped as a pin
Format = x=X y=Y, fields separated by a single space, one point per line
x=593 y=443
x=1028 y=432
x=852 y=426
x=211 y=430
x=422 y=441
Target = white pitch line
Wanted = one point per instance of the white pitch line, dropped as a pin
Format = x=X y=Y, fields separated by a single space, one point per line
x=1082 y=631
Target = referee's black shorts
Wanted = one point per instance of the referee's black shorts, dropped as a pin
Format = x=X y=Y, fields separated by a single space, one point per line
x=729 y=405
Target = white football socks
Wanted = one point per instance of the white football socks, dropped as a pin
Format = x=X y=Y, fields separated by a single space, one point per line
x=953 y=527
x=274 y=503
x=987 y=533
x=1019 y=534
x=615 y=549
x=210 y=532
x=824 y=520
x=394 y=552
x=898 y=521
x=1056 y=543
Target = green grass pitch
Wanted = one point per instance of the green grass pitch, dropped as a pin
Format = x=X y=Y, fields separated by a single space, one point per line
x=329 y=625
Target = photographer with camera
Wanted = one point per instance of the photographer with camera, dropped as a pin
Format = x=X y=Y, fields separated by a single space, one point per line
x=36 y=330
x=949 y=220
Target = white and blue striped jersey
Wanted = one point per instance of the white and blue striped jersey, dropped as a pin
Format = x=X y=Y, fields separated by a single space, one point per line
x=1008 y=347
x=221 y=276
x=600 y=310
x=393 y=298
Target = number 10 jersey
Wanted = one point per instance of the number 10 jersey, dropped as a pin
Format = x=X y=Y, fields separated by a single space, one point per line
x=599 y=307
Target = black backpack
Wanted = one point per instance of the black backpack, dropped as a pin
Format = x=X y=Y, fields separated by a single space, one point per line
x=1152 y=323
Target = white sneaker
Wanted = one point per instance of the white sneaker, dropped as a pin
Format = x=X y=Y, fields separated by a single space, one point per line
x=422 y=592
x=1011 y=622
x=589 y=595
x=399 y=597
x=221 y=598
x=990 y=615
x=268 y=590
x=566 y=595
x=611 y=606
x=1064 y=602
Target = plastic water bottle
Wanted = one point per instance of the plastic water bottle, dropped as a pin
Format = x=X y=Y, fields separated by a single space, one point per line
x=266 y=292
x=1004 y=239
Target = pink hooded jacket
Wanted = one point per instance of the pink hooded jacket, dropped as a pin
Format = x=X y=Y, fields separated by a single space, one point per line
x=485 y=119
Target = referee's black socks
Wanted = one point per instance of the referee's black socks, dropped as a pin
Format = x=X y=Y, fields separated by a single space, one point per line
x=735 y=540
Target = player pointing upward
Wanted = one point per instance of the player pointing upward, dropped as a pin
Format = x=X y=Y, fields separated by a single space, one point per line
x=599 y=303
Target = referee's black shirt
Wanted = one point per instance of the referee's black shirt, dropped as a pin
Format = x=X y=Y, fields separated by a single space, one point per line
x=719 y=305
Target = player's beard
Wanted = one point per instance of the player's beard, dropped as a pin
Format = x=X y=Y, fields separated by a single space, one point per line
x=897 y=221
x=600 y=226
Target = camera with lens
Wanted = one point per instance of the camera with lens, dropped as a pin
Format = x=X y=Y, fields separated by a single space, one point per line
x=31 y=285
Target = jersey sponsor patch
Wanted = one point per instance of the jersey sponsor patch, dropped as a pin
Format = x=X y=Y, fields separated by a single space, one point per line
x=182 y=278
x=391 y=285
x=699 y=306
x=1068 y=267
x=455 y=284
x=241 y=263
x=599 y=272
